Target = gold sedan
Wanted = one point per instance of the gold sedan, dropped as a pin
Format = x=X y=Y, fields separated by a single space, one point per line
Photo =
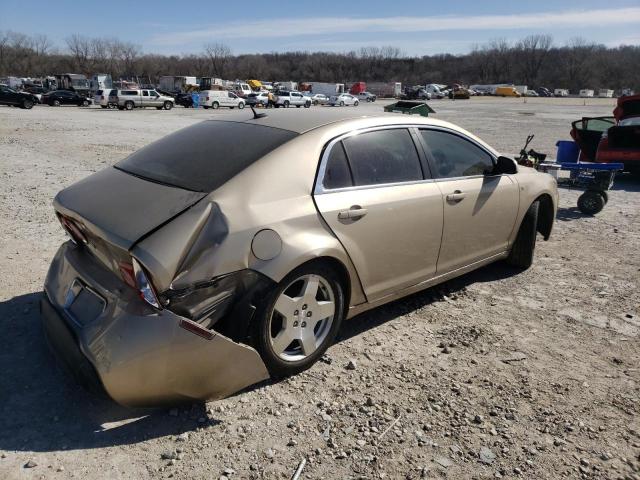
x=231 y=251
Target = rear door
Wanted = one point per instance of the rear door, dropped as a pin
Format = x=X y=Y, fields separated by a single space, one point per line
x=480 y=209
x=145 y=99
x=375 y=193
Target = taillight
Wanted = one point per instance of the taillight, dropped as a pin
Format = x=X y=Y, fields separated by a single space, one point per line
x=73 y=230
x=133 y=274
x=127 y=274
x=147 y=292
x=207 y=99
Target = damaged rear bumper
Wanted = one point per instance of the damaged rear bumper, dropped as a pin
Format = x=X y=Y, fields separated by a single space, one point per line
x=109 y=338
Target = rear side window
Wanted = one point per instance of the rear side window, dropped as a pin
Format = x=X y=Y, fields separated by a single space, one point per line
x=384 y=156
x=337 y=173
x=453 y=156
x=204 y=156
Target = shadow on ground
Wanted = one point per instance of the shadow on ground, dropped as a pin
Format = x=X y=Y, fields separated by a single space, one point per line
x=42 y=409
x=571 y=213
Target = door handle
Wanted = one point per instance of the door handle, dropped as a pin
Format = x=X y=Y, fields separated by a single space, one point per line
x=353 y=213
x=456 y=196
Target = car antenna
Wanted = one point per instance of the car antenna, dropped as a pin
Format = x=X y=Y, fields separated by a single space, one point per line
x=256 y=114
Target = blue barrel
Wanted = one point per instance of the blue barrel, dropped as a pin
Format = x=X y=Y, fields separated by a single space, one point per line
x=568 y=151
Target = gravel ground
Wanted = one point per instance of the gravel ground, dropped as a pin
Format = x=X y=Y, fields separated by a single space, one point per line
x=497 y=374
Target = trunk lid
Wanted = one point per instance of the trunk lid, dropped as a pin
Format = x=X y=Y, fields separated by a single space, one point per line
x=121 y=208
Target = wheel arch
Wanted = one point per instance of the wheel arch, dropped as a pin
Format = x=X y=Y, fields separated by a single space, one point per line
x=546 y=215
x=341 y=270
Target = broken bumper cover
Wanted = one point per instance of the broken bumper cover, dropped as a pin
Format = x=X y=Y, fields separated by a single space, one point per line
x=108 y=337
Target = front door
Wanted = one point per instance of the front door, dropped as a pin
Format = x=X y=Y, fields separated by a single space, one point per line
x=385 y=211
x=480 y=209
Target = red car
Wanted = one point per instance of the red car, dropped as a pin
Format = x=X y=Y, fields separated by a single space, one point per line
x=621 y=143
x=612 y=139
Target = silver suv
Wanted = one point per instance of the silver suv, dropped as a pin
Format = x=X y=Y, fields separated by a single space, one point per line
x=287 y=99
x=140 y=98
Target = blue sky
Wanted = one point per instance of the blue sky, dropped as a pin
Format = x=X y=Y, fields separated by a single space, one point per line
x=416 y=27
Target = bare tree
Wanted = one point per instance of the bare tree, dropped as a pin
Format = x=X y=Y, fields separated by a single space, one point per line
x=80 y=48
x=532 y=51
x=219 y=55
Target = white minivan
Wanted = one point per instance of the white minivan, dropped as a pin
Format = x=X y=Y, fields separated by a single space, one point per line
x=220 y=98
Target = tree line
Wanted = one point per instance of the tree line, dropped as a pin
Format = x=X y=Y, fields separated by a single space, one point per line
x=533 y=61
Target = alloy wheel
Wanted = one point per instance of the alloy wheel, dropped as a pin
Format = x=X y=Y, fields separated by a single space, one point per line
x=302 y=317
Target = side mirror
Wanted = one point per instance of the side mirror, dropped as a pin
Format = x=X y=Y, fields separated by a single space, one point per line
x=504 y=166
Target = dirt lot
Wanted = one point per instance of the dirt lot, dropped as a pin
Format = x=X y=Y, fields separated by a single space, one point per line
x=498 y=374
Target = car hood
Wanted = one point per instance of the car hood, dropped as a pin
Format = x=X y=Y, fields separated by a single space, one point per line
x=122 y=208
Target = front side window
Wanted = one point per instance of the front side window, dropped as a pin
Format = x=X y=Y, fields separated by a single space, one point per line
x=453 y=156
x=383 y=156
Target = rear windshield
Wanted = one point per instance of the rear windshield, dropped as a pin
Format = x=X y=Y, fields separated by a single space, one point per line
x=206 y=155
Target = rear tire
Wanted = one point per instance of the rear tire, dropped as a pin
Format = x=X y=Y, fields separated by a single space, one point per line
x=591 y=202
x=521 y=255
x=342 y=104
x=262 y=327
x=103 y=106
x=55 y=103
x=86 y=103
x=286 y=104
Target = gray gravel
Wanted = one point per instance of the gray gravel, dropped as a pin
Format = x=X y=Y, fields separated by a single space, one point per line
x=497 y=374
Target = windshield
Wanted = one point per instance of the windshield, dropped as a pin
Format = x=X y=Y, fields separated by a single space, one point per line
x=204 y=156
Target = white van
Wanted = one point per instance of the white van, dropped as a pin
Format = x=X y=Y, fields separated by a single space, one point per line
x=220 y=98
x=561 y=92
x=586 y=93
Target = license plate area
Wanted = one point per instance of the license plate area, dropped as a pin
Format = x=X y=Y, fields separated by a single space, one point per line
x=82 y=304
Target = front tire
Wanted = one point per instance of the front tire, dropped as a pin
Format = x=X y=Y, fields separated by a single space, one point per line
x=356 y=103
x=215 y=105
x=27 y=104
x=299 y=319
x=286 y=104
x=240 y=106
x=128 y=105
x=167 y=105
x=521 y=255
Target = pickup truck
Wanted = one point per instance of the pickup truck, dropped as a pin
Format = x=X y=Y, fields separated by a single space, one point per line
x=286 y=99
x=140 y=98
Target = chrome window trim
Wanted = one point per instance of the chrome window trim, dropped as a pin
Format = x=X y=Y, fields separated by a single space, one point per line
x=319 y=188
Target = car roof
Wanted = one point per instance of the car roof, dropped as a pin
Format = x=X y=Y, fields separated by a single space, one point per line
x=301 y=121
